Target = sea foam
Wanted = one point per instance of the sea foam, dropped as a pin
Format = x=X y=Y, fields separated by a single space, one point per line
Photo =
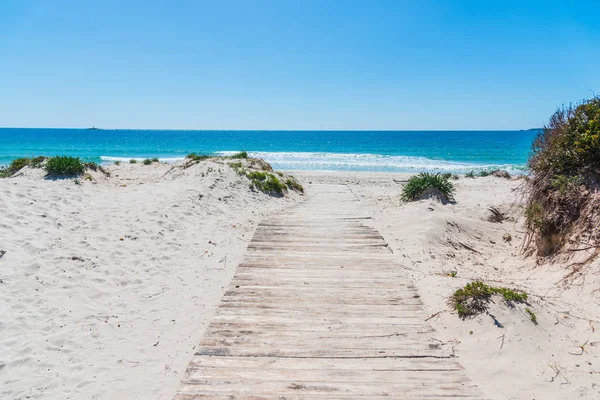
x=369 y=162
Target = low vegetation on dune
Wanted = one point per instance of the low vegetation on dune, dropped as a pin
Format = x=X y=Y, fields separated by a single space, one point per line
x=267 y=182
x=562 y=200
x=65 y=166
x=488 y=172
x=19 y=163
x=58 y=166
x=426 y=185
x=240 y=155
x=474 y=298
x=449 y=176
x=194 y=158
x=259 y=172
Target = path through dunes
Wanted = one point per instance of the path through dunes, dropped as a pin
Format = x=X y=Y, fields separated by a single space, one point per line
x=321 y=309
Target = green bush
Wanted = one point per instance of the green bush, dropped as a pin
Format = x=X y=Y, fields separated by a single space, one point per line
x=147 y=161
x=155 y=159
x=266 y=183
x=15 y=166
x=37 y=162
x=470 y=174
x=426 y=185
x=133 y=161
x=197 y=157
x=449 y=176
x=241 y=154
x=475 y=296
x=117 y=162
x=293 y=184
x=564 y=175
x=64 y=166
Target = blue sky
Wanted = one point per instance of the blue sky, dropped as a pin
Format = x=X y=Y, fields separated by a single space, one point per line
x=301 y=64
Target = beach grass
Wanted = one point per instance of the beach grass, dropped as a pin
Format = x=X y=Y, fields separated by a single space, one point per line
x=241 y=154
x=425 y=185
x=64 y=166
x=19 y=163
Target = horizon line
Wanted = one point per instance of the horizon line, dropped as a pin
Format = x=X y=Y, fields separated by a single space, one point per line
x=279 y=130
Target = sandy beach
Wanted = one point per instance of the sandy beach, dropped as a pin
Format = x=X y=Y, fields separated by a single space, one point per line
x=107 y=286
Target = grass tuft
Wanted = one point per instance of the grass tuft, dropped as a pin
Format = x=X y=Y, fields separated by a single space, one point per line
x=293 y=184
x=117 y=162
x=133 y=161
x=240 y=155
x=532 y=315
x=470 y=174
x=449 y=176
x=266 y=183
x=427 y=185
x=64 y=166
x=473 y=299
x=147 y=161
x=19 y=163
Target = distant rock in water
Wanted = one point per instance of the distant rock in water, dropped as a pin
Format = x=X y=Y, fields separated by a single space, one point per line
x=93 y=128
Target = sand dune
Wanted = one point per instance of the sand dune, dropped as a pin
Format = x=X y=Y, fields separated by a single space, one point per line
x=106 y=287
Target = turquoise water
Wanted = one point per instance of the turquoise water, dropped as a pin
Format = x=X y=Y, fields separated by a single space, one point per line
x=401 y=151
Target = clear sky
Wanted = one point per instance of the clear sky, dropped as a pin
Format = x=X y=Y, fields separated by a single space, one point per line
x=302 y=64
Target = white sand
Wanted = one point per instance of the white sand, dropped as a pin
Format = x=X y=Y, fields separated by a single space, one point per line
x=106 y=289
x=86 y=315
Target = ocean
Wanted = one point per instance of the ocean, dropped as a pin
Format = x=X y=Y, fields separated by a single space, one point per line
x=397 y=151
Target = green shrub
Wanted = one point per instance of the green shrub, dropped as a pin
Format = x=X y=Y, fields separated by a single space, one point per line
x=117 y=162
x=266 y=183
x=293 y=184
x=16 y=165
x=241 y=154
x=198 y=157
x=133 y=161
x=470 y=174
x=37 y=162
x=532 y=316
x=475 y=296
x=147 y=161
x=485 y=172
x=155 y=159
x=449 y=176
x=64 y=166
x=426 y=185
x=564 y=175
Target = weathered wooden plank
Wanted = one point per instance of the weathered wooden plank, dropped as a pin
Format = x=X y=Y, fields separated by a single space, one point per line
x=326 y=364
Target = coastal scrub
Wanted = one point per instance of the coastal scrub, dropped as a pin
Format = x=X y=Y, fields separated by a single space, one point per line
x=426 y=185
x=474 y=298
x=64 y=166
x=562 y=204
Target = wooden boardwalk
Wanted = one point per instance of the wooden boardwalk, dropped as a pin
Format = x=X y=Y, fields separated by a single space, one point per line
x=321 y=309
